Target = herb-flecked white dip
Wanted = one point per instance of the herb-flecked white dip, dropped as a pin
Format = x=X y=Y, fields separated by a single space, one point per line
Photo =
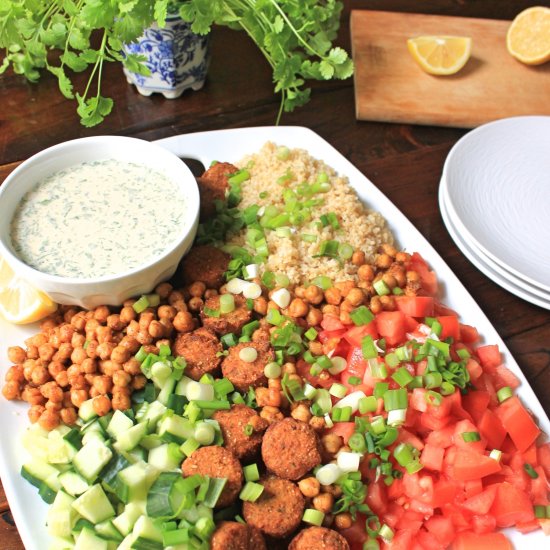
x=97 y=218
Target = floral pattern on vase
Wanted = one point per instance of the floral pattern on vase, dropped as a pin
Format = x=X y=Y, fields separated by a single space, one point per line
x=177 y=58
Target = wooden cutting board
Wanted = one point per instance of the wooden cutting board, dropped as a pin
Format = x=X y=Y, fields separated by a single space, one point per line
x=391 y=87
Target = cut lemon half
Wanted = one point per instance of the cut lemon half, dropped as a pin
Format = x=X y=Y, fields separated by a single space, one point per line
x=528 y=37
x=20 y=302
x=440 y=55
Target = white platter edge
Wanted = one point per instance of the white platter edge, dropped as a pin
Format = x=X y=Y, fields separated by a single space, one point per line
x=26 y=506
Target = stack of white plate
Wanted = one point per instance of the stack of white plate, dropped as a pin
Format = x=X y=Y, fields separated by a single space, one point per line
x=494 y=198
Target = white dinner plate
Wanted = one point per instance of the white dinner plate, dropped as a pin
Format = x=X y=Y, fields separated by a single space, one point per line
x=497 y=274
x=497 y=179
x=29 y=511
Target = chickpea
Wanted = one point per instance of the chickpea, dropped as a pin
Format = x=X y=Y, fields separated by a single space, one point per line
x=301 y=412
x=298 y=308
x=11 y=390
x=389 y=280
x=79 y=382
x=127 y=314
x=314 y=316
x=156 y=329
x=109 y=367
x=166 y=312
x=52 y=392
x=37 y=340
x=138 y=382
x=317 y=423
x=343 y=521
x=358 y=258
x=345 y=318
x=300 y=292
x=274 y=383
x=103 y=384
x=54 y=406
x=120 y=402
x=388 y=303
x=104 y=334
x=40 y=375
x=400 y=278
x=268 y=397
x=62 y=379
x=375 y=304
x=33 y=396
x=128 y=343
x=32 y=352
x=195 y=304
x=49 y=420
x=47 y=325
x=78 y=321
x=74 y=370
x=288 y=368
x=64 y=351
x=89 y=366
x=316 y=347
x=271 y=414
x=183 y=322
x=91 y=349
x=332 y=443
x=68 y=415
x=104 y=350
x=313 y=294
x=323 y=502
x=144 y=338
x=16 y=354
x=309 y=487
x=329 y=309
x=260 y=306
x=78 y=397
x=197 y=289
x=54 y=338
x=27 y=370
x=101 y=314
x=121 y=378
x=77 y=340
x=69 y=314
x=15 y=374
x=366 y=273
x=67 y=399
x=101 y=404
x=383 y=261
x=132 y=366
x=78 y=355
x=403 y=257
x=163 y=290
x=333 y=296
x=35 y=412
x=91 y=326
x=355 y=297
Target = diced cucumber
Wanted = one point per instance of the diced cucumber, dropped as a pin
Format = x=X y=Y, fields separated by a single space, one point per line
x=108 y=530
x=93 y=456
x=147 y=536
x=111 y=469
x=61 y=516
x=153 y=414
x=73 y=483
x=37 y=471
x=130 y=438
x=80 y=524
x=58 y=543
x=166 y=457
x=93 y=425
x=94 y=434
x=89 y=540
x=139 y=453
x=175 y=428
x=59 y=451
x=36 y=444
x=86 y=410
x=74 y=438
x=119 y=424
x=47 y=493
x=105 y=420
x=125 y=522
x=134 y=482
x=126 y=544
x=61 y=430
x=94 y=505
x=150 y=441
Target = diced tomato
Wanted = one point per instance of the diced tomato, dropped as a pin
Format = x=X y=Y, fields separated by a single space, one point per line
x=457 y=410
x=461 y=520
x=441 y=528
x=530 y=455
x=474 y=369
x=441 y=438
x=302 y=368
x=415 y=306
x=543 y=458
x=428 y=541
x=444 y=491
x=476 y=403
x=468 y=334
x=511 y=505
x=419 y=487
x=518 y=423
x=356 y=363
x=503 y=376
x=410 y=520
x=411 y=324
x=417 y=399
x=343 y=429
x=471 y=465
x=402 y=540
x=527 y=526
x=449 y=327
x=326 y=335
x=489 y=356
x=432 y=457
x=472 y=488
x=391 y=326
x=491 y=429
x=473 y=541
x=485 y=523
x=432 y=422
x=465 y=426
x=539 y=488
x=427 y=277
x=377 y=498
x=482 y=502
x=331 y=322
x=357 y=367
x=355 y=335
x=356 y=535
x=407 y=437
x=545 y=526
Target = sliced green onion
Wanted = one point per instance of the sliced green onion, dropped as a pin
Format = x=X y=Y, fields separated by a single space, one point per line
x=282 y=280
x=339 y=364
x=378 y=425
x=395 y=399
x=357 y=443
x=204 y=433
x=251 y=491
x=315 y=370
x=189 y=446
x=282 y=152
x=310 y=333
x=403 y=377
x=380 y=388
x=345 y=251
x=539 y=511
x=386 y=533
x=338 y=390
x=272 y=370
x=368 y=348
x=381 y=288
x=268 y=279
x=209 y=312
x=227 y=303
x=368 y=404
x=397 y=417
x=313 y=517
x=251 y=472
x=414 y=466
x=283 y=232
x=308 y=238
x=446 y=388
x=223 y=387
x=141 y=305
x=403 y=454
x=354 y=380
x=324 y=362
x=495 y=454
x=212 y=405
x=371 y=544
x=361 y=316
x=239 y=177
x=322 y=281
x=329 y=248
x=378 y=369
x=433 y=398
x=531 y=472
x=504 y=393
x=433 y=380
x=463 y=353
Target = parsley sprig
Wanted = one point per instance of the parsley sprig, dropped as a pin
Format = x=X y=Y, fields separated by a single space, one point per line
x=295 y=36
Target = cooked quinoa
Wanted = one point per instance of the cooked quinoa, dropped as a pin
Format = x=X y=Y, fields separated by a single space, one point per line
x=360 y=227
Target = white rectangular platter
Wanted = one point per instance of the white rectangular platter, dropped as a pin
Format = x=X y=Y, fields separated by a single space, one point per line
x=231 y=145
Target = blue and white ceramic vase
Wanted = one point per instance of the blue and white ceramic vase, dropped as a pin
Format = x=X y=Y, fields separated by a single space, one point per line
x=177 y=58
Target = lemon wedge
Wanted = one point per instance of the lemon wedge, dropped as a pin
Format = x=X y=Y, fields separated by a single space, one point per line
x=440 y=55
x=21 y=303
x=528 y=37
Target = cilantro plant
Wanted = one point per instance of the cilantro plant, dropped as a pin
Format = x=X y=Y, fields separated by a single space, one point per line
x=68 y=36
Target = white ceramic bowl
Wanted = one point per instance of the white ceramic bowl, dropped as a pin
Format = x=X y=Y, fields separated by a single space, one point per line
x=111 y=289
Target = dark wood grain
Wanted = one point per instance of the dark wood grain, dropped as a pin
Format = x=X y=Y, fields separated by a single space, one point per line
x=404 y=161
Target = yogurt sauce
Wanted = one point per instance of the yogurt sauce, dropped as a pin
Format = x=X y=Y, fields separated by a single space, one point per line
x=97 y=218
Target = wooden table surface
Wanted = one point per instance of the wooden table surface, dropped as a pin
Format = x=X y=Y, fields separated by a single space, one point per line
x=404 y=161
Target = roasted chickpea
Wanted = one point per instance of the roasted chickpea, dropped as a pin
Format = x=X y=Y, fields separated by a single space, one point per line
x=11 y=390
x=301 y=412
x=78 y=321
x=52 y=392
x=175 y=296
x=49 y=420
x=101 y=404
x=120 y=402
x=163 y=290
x=62 y=379
x=197 y=289
x=128 y=343
x=64 y=351
x=271 y=414
x=403 y=257
x=78 y=355
x=54 y=406
x=33 y=396
x=36 y=340
x=35 y=412
x=156 y=329
x=104 y=334
x=316 y=347
x=333 y=296
x=16 y=354
x=332 y=443
x=300 y=292
x=298 y=308
x=89 y=366
x=109 y=367
x=105 y=349
x=288 y=368
x=91 y=348
x=15 y=374
x=127 y=314
x=121 y=378
x=317 y=423
x=32 y=352
x=375 y=305
x=68 y=415
x=78 y=397
x=343 y=521
x=366 y=273
x=313 y=294
x=358 y=258
x=183 y=322
x=77 y=340
x=103 y=384
x=166 y=312
x=210 y=292
x=329 y=309
x=260 y=306
x=383 y=261
x=388 y=303
x=314 y=316
x=132 y=366
x=195 y=304
x=323 y=502
x=309 y=487
x=138 y=382
x=40 y=375
x=101 y=314
x=355 y=297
